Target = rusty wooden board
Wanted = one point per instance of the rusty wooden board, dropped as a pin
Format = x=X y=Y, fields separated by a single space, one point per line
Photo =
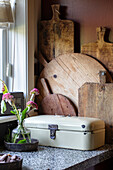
x=96 y=100
x=67 y=73
x=100 y=50
x=56 y=36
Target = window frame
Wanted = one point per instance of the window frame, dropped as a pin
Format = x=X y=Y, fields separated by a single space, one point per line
x=4 y=55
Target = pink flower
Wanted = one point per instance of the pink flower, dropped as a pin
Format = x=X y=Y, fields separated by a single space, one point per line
x=34 y=91
x=7 y=97
x=32 y=104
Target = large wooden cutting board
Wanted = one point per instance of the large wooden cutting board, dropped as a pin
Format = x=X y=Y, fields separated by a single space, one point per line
x=96 y=100
x=56 y=36
x=68 y=72
x=100 y=50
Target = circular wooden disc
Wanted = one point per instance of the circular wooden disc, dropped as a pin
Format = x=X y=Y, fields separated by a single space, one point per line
x=68 y=72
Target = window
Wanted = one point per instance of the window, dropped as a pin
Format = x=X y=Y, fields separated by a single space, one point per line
x=14 y=51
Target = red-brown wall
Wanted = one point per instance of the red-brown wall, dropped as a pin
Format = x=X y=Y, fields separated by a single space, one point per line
x=86 y=14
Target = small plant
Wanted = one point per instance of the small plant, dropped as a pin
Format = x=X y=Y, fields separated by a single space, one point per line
x=20 y=134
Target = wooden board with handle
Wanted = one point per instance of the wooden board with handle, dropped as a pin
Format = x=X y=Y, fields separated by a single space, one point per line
x=100 y=50
x=55 y=104
x=96 y=100
x=68 y=72
x=56 y=36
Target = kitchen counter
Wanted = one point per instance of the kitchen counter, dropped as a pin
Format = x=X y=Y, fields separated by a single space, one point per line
x=48 y=158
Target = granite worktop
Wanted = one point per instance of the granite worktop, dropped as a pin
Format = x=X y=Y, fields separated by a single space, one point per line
x=49 y=158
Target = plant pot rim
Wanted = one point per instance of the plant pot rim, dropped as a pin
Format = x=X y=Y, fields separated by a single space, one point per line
x=21 y=147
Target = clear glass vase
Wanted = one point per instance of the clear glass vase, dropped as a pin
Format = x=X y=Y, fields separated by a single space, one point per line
x=20 y=134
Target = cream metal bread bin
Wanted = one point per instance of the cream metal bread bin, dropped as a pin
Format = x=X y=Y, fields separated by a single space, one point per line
x=80 y=133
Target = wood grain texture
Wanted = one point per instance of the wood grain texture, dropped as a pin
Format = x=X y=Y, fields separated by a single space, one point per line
x=68 y=72
x=100 y=50
x=96 y=100
x=56 y=36
x=55 y=104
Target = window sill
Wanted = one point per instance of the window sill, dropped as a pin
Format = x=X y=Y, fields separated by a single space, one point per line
x=4 y=119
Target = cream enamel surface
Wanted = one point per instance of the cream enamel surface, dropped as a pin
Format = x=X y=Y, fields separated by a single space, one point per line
x=65 y=123
x=70 y=133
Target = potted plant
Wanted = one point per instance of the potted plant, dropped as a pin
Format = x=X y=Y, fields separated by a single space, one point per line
x=20 y=134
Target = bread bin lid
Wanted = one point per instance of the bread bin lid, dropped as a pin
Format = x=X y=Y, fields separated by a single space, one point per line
x=64 y=123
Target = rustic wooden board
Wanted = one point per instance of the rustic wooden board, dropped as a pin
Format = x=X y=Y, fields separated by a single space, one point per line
x=56 y=36
x=67 y=73
x=100 y=50
x=96 y=100
x=55 y=104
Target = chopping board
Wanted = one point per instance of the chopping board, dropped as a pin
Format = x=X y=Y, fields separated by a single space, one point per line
x=55 y=104
x=56 y=36
x=100 y=50
x=96 y=100
x=68 y=72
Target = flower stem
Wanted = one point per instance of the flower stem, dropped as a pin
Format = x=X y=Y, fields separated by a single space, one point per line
x=32 y=97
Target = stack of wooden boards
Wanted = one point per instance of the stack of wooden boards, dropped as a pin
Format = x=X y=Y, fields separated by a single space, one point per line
x=96 y=99
x=72 y=83
x=67 y=73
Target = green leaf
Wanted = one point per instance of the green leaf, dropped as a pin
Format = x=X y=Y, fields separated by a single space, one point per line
x=5 y=89
x=14 y=112
x=22 y=141
x=24 y=113
x=3 y=106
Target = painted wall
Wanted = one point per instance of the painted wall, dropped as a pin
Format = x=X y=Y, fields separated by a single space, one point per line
x=86 y=14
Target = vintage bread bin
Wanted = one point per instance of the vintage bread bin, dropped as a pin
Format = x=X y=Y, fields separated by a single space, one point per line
x=80 y=133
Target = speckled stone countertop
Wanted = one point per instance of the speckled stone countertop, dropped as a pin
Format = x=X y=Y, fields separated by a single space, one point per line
x=49 y=158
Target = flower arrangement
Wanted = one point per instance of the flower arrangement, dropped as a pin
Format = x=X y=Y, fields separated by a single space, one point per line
x=20 y=134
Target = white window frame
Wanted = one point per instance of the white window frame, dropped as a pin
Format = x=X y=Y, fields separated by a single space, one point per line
x=18 y=53
x=3 y=55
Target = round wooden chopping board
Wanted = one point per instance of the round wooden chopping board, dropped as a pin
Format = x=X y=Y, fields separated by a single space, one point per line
x=68 y=72
x=55 y=104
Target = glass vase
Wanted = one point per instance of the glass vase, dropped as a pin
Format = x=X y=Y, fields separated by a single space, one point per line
x=20 y=134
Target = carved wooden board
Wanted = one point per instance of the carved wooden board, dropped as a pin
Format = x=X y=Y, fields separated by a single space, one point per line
x=67 y=73
x=55 y=104
x=96 y=100
x=100 y=50
x=56 y=36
